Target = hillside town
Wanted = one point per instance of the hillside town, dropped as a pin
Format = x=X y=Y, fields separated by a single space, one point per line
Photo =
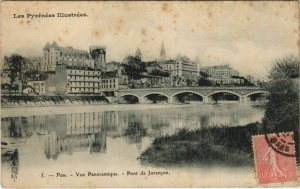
x=69 y=71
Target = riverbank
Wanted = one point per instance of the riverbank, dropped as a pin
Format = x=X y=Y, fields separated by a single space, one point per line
x=23 y=101
x=216 y=145
x=62 y=109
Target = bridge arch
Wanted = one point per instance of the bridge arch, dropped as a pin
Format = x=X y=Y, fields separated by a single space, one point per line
x=151 y=97
x=224 y=91
x=156 y=93
x=256 y=92
x=130 y=94
x=193 y=92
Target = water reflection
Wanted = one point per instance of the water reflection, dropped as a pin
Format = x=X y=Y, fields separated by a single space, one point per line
x=88 y=133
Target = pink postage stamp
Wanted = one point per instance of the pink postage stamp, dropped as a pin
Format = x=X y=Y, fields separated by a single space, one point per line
x=274 y=156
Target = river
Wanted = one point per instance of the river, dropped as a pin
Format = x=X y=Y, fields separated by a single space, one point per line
x=38 y=145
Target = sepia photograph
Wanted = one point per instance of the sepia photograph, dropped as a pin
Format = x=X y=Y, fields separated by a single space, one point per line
x=149 y=94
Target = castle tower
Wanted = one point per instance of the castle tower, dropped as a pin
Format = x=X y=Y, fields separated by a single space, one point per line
x=51 y=53
x=98 y=53
x=163 y=55
x=138 y=54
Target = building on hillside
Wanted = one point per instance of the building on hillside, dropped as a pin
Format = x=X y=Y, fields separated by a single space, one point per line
x=222 y=75
x=187 y=68
x=154 y=81
x=72 y=80
x=38 y=86
x=222 y=71
x=181 y=67
x=170 y=66
x=152 y=67
x=123 y=77
x=111 y=66
x=54 y=55
x=109 y=83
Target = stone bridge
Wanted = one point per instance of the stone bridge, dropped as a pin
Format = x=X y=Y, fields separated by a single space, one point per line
x=205 y=92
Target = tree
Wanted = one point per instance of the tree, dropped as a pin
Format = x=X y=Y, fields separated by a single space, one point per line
x=133 y=67
x=285 y=68
x=15 y=63
x=203 y=74
x=203 y=82
x=282 y=109
x=189 y=82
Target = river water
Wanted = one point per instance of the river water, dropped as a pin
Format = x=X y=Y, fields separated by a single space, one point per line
x=36 y=148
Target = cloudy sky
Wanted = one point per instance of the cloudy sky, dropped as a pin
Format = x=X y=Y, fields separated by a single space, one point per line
x=247 y=35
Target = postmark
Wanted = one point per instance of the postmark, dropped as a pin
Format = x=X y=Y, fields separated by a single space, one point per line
x=274 y=156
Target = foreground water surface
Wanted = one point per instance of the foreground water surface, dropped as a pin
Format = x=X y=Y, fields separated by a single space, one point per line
x=37 y=147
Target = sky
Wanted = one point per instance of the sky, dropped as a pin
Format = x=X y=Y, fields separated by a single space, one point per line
x=249 y=36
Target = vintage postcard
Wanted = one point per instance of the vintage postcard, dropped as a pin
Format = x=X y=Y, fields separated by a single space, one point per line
x=149 y=94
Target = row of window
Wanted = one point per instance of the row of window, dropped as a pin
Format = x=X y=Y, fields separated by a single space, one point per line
x=82 y=85
x=108 y=80
x=83 y=72
x=87 y=78
x=80 y=89
x=108 y=86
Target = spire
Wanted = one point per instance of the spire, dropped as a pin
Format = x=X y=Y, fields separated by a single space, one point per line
x=138 y=53
x=47 y=46
x=54 y=45
x=162 y=52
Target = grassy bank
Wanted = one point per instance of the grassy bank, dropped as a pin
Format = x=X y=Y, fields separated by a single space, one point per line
x=217 y=145
x=231 y=146
x=47 y=100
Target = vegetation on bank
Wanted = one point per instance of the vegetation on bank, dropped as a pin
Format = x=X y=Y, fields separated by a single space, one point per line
x=217 y=145
x=48 y=100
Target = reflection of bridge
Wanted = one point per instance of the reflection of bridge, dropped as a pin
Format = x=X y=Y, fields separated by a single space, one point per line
x=206 y=93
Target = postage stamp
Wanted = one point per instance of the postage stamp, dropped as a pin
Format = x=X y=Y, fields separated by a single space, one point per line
x=274 y=156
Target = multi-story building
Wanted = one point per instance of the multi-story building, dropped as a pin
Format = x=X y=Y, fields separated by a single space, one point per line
x=222 y=71
x=109 y=83
x=182 y=67
x=171 y=67
x=222 y=74
x=38 y=86
x=54 y=55
x=73 y=80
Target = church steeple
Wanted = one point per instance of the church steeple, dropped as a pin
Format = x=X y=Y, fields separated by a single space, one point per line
x=163 y=55
x=138 y=53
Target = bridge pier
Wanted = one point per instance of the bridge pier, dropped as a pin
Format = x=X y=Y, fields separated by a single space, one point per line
x=170 y=100
x=205 y=99
x=243 y=99
x=141 y=100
